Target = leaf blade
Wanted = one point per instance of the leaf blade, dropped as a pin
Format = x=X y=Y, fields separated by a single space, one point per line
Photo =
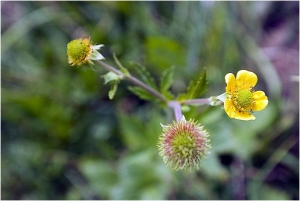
x=196 y=88
x=201 y=86
x=141 y=93
x=113 y=91
x=166 y=80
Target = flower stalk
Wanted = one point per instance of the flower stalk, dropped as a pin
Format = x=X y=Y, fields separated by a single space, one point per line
x=177 y=109
x=200 y=101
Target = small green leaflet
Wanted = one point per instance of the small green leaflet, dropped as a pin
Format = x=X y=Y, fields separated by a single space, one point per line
x=196 y=88
x=166 y=82
x=113 y=91
x=113 y=79
x=110 y=77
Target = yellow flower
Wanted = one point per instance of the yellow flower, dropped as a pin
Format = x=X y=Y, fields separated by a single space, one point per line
x=241 y=99
x=81 y=50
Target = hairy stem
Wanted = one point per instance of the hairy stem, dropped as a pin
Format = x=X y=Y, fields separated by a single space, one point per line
x=177 y=109
x=134 y=81
x=201 y=101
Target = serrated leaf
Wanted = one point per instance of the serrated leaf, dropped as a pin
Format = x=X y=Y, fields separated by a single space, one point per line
x=195 y=88
x=145 y=75
x=198 y=88
x=166 y=80
x=201 y=85
x=168 y=95
x=190 y=90
x=113 y=91
x=140 y=92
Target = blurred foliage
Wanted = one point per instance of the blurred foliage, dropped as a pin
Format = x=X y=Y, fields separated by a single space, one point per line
x=62 y=138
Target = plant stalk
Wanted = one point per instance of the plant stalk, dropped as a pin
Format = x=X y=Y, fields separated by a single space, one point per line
x=200 y=101
x=134 y=81
x=177 y=109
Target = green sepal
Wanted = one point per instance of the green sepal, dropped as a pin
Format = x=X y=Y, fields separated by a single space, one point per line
x=140 y=92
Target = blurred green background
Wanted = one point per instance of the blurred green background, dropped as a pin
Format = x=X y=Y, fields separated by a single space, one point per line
x=62 y=138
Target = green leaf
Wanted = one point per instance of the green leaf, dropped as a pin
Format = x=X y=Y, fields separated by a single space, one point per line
x=166 y=79
x=140 y=92
x=109 y=77
x=168 y=95
x=191 y=89
x=113 y=91
x=145 y=75
x=201 y=84
x=113 y=79
x=196 y=88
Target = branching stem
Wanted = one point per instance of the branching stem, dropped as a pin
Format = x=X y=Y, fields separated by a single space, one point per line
x=173 y=104
x=134 y=81
x=177 y=109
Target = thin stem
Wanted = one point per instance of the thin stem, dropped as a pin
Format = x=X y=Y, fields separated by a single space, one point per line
x=177 y=109
x=146 y=87
x=134 y=80
x=200 y=101
x=110 y=68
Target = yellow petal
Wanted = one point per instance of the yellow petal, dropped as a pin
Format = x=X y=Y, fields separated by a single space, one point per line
x=244 y=116
x=246 y=79
x=232 y=112
x=229 y=108
x=260 y=99
x=230 y=80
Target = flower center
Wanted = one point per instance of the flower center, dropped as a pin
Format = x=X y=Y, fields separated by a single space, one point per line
x=78 y=49
x=244 y=98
